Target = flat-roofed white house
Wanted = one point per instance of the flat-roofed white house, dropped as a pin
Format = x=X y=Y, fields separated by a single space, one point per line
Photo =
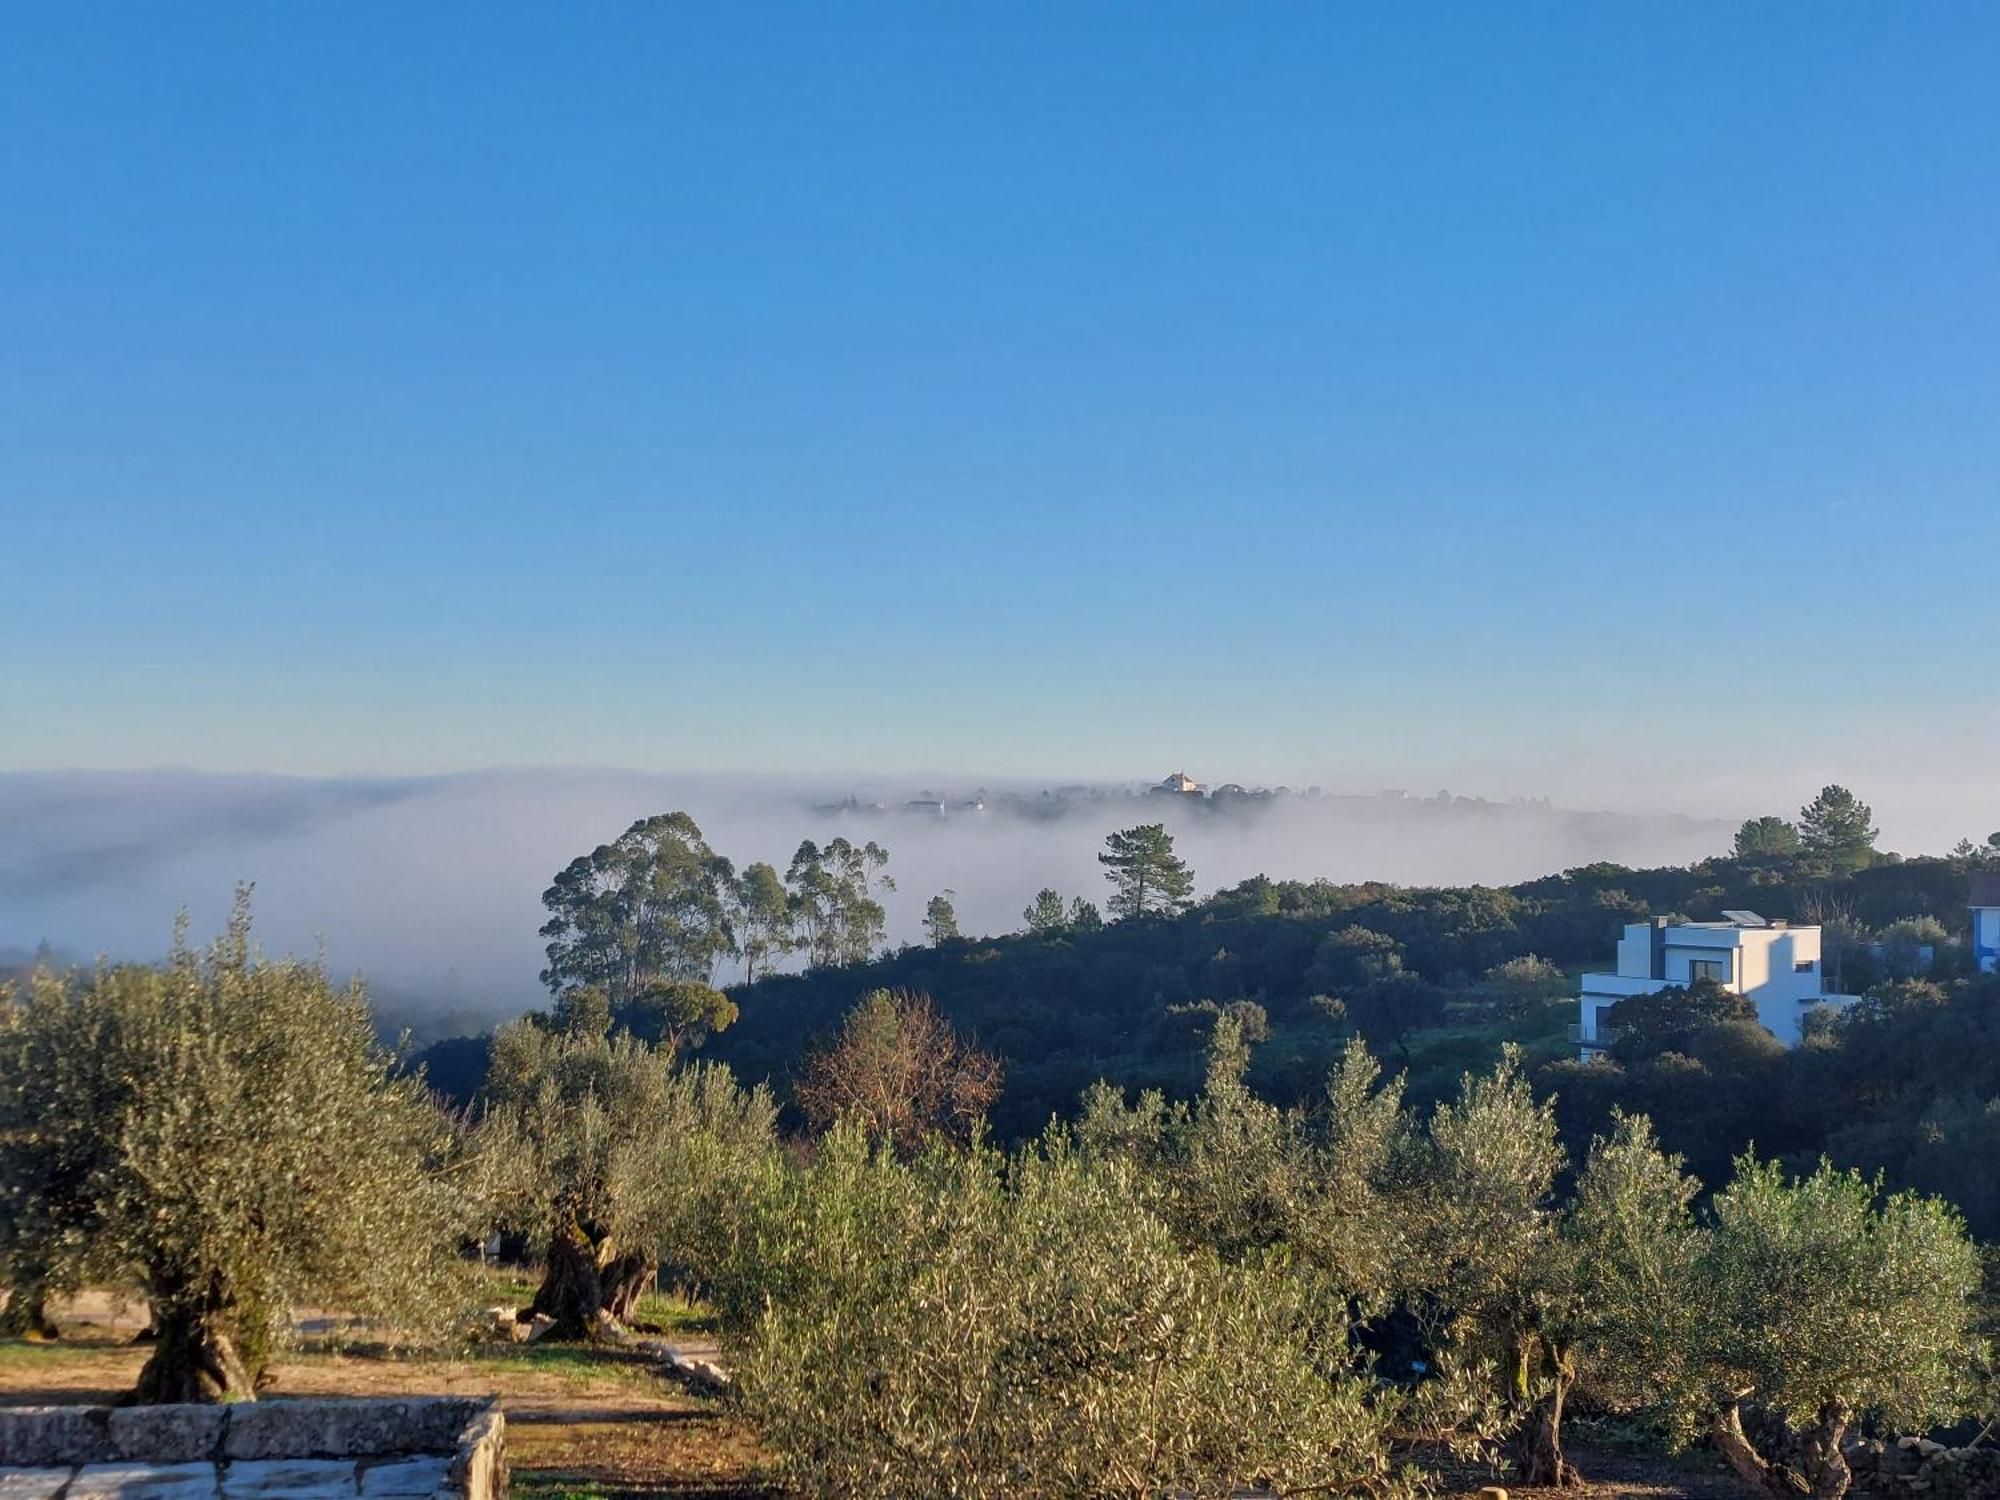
x=1774 y=966
x=1985 y=904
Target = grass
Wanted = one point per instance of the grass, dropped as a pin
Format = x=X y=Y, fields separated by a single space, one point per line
x=33 y=1354
x=666 y=1313
x=577 y=1365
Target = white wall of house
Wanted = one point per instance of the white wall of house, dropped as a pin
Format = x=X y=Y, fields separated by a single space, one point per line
x=1776 y=968
x=1986 y=937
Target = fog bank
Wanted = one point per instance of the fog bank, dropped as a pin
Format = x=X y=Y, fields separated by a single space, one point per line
x=430 y=887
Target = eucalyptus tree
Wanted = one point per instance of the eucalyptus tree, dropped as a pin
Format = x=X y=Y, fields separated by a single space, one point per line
x=228 y=1133
x=763 y=918
x=833 y=899
x=652 y=904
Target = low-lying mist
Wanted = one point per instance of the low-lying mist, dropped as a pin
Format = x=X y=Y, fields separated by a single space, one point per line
x=430 y=887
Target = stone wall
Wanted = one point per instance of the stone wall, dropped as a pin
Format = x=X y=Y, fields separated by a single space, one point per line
x=422 y=1448
x=1919 y=1467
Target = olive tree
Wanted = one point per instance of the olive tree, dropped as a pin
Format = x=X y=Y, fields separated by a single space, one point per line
x=968 y=1324
x=227 y=1131
x=1233 y=1173
x=1813 y=1300
x=1486 y=1267
x=1822 y=1300
x=611 y=1155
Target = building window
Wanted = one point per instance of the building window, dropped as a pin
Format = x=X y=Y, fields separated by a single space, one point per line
x=1805 y=966
x=1706 y=968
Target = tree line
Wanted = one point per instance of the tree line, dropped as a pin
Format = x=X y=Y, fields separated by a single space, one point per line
x=657 y=905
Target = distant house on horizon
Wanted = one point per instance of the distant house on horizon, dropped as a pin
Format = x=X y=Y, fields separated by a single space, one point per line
x=1180 y=784
x=1984 y=901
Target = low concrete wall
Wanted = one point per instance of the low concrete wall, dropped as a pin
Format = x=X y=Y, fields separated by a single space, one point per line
x=466 y=1437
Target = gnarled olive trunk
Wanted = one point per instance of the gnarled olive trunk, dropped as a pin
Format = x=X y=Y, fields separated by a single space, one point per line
x=588 y=1288
x=625 y=1282
x=1824 y=1474
x=195 y=1358
x=1538 y=1451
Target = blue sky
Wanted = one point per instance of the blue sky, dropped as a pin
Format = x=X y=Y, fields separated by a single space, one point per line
x=1554 y=398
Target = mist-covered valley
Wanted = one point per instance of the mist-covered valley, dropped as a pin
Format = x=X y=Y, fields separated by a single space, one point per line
x=429 y=887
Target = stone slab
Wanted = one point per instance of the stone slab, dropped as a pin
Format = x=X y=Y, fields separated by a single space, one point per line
x=143 y=1482
x=405 y=1479
x=33 y=1484
x=297 y=1479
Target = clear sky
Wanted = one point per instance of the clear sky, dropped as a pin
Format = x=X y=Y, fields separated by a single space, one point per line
x=1541 y=396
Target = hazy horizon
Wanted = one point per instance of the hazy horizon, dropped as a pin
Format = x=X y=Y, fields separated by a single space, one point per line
x=429 y=886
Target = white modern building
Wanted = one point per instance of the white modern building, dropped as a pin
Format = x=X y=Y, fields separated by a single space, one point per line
x=1774 y=966
x=1985 y=904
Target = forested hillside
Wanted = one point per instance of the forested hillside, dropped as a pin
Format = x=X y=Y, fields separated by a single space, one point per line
x=1435 y=981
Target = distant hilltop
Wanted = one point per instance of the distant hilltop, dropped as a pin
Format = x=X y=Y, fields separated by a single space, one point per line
x=1178 y=788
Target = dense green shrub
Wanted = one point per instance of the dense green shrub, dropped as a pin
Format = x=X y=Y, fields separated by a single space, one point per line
x=970 y=1324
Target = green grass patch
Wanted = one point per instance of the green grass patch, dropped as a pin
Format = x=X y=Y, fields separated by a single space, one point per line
x=576 y=1364
x=674 y=1314
x=28 y=1354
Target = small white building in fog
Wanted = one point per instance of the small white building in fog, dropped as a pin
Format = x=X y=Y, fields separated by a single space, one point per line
x=1774 y=966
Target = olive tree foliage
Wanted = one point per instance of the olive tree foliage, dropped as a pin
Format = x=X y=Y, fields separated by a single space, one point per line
x=1231 y=1172
x=1820 y=1301
x=614 y=1159
x=226 y=1131
x=1630 y=1246
x=968 y=1324
x=1814 y=1300
x=655 y=903
x=1485 y=1242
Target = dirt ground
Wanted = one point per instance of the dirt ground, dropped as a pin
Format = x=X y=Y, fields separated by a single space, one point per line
x=581 y=1423
x=1612 y=1474
x=593 y=1424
